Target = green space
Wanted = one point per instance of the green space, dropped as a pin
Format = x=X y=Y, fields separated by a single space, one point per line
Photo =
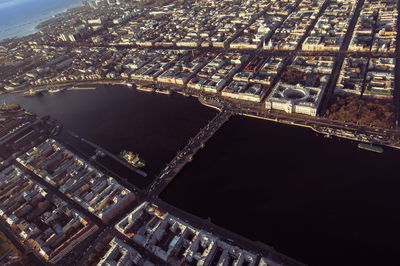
x=4 y=247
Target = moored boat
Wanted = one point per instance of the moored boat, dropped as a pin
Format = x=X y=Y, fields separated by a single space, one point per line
x=31 y=93
x=55 y=90
x=370 y=147
x=132 y=158
x=163 y=91
x=144 y=88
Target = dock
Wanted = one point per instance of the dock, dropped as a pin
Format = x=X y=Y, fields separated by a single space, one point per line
x=73 y=88
x=116 y=158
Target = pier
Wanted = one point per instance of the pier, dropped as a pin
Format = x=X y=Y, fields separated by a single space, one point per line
x=138 y=171
x=73 y=88
x=186 y=154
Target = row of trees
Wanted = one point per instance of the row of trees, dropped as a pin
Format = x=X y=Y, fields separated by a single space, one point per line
x=293 y=76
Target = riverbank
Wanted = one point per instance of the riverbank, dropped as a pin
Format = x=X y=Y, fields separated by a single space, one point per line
x=340 y=133
x=81 y=88
x=294 y=190
x=379 y=136
x=120 y=118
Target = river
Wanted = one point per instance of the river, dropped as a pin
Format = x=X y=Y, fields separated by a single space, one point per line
x=118 y=118
x=321 y=201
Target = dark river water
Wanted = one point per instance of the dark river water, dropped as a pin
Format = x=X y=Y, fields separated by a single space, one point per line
x=320 y=201
x=118 y=118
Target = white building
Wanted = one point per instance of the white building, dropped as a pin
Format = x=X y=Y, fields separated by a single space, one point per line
x=295 y=99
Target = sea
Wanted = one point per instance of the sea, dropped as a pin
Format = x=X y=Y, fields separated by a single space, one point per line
x=18 y=18
x=321 y=201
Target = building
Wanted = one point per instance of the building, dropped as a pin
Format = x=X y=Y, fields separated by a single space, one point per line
x=120 y=253
x=42 y=221
x=177 y=242
x=99 y=194
x=294 y=99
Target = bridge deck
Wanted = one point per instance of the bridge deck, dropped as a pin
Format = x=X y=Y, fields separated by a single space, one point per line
x=186 y=154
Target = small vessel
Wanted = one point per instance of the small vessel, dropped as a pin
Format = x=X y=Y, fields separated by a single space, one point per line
x=55 y=90
x=144 y=88
x=370 y=147
x=11 y=108
x=132 y=158
x=97 y=154
x=100 y=153
x=32 y=93
x=163 y=91
x=56 y=130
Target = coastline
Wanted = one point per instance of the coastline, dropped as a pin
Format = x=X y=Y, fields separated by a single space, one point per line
x=25 y=28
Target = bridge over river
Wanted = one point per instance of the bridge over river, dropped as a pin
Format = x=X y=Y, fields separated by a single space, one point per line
x=186 y=154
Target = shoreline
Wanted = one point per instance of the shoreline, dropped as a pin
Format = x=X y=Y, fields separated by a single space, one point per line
x=340 y=130
x=81 y=88
x=27 y=28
